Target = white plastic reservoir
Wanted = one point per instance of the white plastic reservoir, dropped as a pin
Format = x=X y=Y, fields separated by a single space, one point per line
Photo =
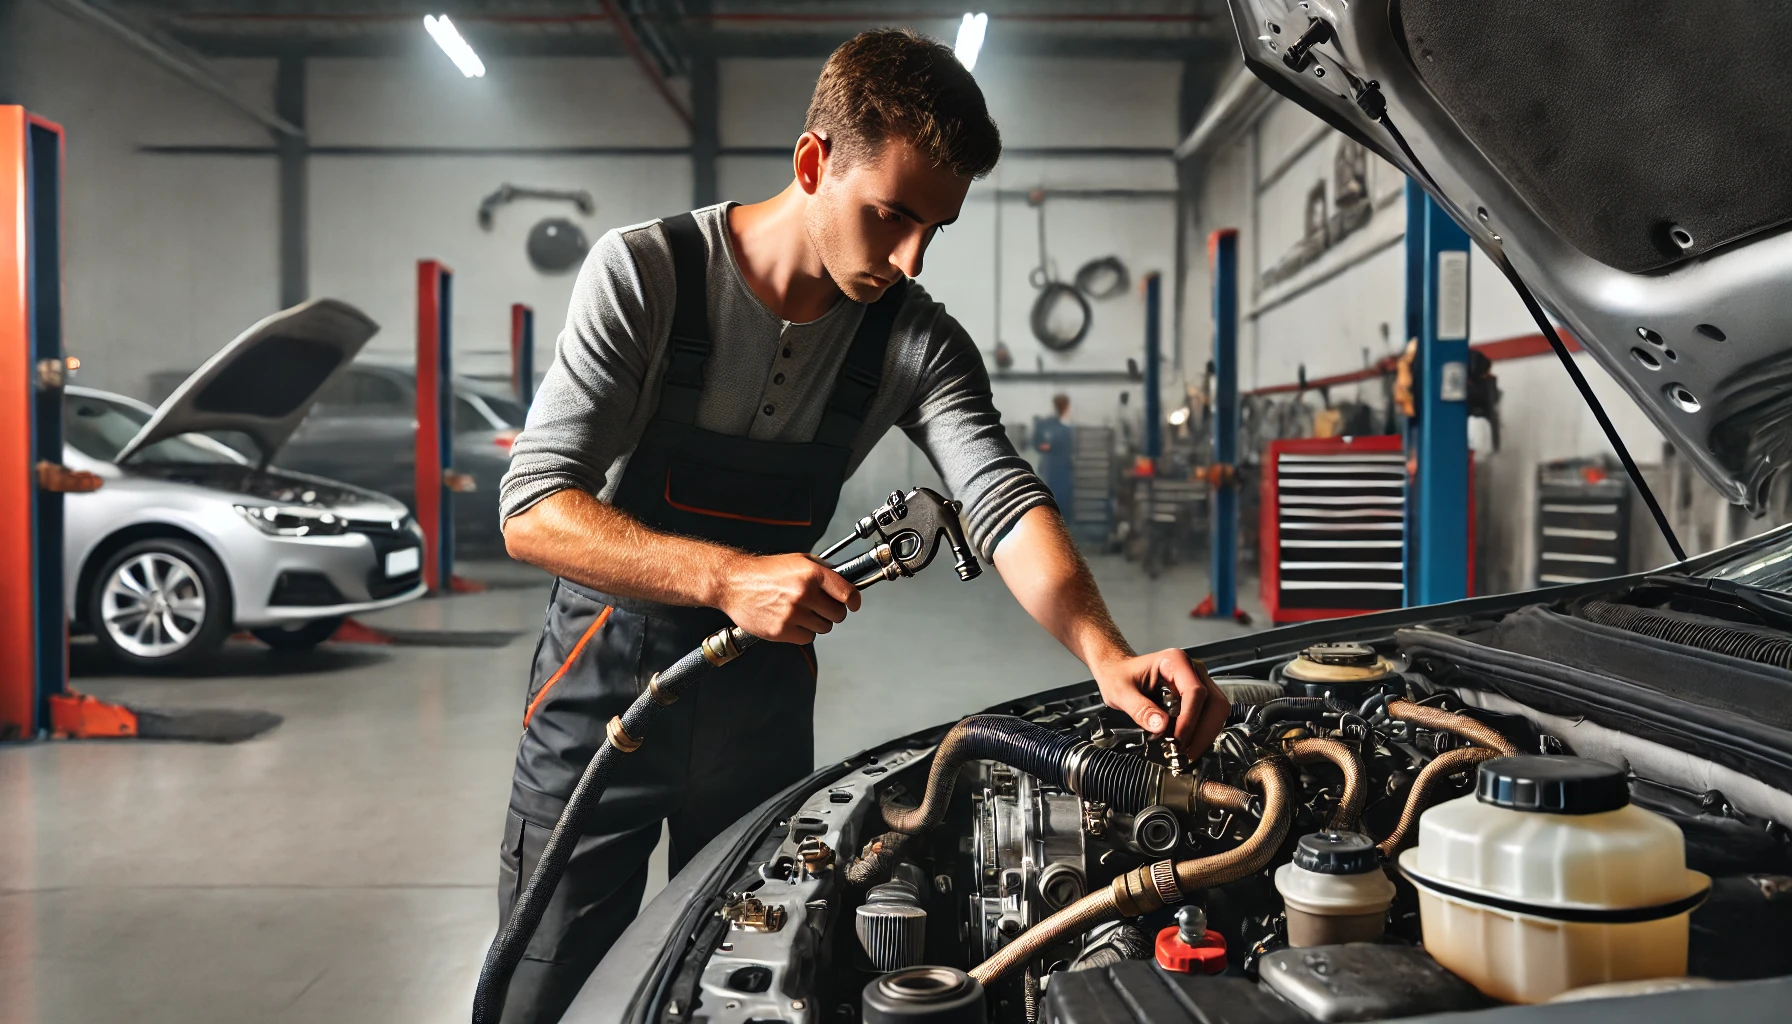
x=1547 y=879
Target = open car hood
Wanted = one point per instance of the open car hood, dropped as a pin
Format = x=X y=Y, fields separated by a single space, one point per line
x=1631 y=165
x=263 y=383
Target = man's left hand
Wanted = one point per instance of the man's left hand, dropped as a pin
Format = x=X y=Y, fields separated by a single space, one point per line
x=1130 y=685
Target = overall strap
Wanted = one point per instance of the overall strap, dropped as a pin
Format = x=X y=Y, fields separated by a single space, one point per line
x=861 y=373
x=689 y=346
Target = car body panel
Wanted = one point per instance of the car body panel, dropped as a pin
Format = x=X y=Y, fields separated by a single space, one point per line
x=1723 y=402
x=263 y=382
x=134 y=499
x=363 y=428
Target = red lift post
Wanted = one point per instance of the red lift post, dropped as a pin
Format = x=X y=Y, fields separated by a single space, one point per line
x=522 y=353
x=435 y=422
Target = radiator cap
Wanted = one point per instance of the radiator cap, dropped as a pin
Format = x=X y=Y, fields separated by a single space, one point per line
x=1552 y=784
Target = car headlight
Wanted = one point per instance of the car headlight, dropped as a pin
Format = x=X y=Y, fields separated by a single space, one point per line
x=289 y=521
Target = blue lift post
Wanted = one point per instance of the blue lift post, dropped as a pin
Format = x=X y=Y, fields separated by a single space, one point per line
x=1437 y=268
x=522 y=353
x=1222 y=249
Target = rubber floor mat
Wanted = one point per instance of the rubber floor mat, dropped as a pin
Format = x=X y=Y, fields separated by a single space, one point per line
x=203 y=725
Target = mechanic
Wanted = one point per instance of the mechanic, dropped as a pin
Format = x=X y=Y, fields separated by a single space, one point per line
x=719 y=376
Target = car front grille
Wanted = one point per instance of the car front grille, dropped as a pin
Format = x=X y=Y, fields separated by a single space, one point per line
x=386 y=540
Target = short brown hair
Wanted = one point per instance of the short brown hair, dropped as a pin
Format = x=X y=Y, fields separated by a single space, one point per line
x=892 y=83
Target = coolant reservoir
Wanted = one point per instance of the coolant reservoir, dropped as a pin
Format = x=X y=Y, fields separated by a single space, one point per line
x=1547 y=879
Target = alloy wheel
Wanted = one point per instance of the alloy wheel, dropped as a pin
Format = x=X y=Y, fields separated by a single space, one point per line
x=153 y=605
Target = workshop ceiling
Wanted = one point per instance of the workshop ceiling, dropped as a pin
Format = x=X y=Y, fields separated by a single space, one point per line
x=671 y=32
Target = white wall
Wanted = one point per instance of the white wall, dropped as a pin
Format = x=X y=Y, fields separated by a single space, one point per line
x=166 y=258
x=1357 y=316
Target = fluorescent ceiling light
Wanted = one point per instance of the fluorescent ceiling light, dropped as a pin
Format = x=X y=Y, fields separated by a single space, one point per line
x=970 y=39
x=443 y=32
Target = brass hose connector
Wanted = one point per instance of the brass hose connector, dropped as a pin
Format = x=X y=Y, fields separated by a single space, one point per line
x=1356 y=790
x=721 y=647
x=1424 y=792
x=619 y=738
x=1153 y=886
x=1478 y=733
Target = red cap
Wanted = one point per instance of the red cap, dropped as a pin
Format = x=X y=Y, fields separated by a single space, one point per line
x=1209 y=957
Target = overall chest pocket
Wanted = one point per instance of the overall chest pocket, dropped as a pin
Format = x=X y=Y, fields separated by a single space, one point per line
x=768 y=498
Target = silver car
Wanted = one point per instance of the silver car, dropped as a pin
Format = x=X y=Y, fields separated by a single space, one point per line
x=190 y=539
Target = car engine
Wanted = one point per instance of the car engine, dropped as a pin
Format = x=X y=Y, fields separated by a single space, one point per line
x=1053 y=863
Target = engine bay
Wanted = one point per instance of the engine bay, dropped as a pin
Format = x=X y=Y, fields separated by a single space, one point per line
x=1060 y=865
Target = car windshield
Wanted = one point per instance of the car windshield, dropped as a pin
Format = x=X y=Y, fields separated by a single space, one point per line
x=98 y=428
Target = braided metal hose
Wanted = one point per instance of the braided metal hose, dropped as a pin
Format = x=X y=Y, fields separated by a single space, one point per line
x=1153 y=886
x=1356 y=789
x=622 y=737
x=1478 y=733
x=1424 y=792
x=1122 y=781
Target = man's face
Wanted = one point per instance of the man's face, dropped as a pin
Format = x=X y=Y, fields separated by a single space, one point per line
x=871 y=221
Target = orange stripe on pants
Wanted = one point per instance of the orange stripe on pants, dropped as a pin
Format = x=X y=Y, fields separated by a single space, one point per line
x=590 y=631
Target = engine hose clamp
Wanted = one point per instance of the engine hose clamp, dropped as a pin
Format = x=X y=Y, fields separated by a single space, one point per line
x=1163 y=876
x=660 y=696
x=1074 y=763
x=719 y=648
x=619 y=738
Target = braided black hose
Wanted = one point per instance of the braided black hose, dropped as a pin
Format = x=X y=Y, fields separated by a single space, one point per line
x=525 y=915
x=1122 y=781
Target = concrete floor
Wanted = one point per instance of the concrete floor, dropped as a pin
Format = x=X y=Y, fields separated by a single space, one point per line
x=341 y=867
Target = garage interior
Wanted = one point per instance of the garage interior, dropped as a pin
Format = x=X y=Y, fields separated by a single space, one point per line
x=1219 y=285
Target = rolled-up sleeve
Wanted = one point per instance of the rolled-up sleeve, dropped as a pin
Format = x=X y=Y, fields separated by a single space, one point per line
x=955 y=422
x=579 y=424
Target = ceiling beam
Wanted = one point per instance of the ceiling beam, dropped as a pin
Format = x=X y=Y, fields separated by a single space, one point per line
x=178 y=59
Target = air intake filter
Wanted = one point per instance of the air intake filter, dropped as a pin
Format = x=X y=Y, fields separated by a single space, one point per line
x=892 y=927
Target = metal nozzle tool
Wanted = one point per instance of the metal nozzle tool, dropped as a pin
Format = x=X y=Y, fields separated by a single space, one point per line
x=908 y=528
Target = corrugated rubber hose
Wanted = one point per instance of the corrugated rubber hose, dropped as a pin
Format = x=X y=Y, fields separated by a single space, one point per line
x=1122 y=781
x=1153 y=886
x=1432 y=778
x=876 y=860
x=1478 y=733
x=628 y=730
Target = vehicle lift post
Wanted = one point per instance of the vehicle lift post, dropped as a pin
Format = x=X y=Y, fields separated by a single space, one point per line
x=522 y=353
x=1437 y=304
x=34 y=695
x=436 y=479
x=1222 y=473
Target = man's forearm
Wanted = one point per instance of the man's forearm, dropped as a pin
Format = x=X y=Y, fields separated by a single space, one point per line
x=574 y=535
x=1050 y=579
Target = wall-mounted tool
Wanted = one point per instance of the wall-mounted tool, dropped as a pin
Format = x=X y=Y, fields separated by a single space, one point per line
x=909 y=528
x=555 y=243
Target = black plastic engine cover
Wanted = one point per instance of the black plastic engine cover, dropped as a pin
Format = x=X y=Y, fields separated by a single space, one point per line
x=1140 y=992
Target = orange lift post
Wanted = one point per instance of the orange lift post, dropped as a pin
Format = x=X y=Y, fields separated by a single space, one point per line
x=34 y=696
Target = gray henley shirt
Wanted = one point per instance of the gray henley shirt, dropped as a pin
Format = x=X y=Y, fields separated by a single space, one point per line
x=766 y=379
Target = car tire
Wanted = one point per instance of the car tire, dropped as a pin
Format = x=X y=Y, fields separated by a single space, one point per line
x=160 y=603
x=302 y=637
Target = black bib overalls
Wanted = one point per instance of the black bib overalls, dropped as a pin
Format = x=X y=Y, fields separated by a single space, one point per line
x=733 y=742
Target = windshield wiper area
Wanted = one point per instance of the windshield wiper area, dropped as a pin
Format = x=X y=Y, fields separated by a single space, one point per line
x=1724 y=599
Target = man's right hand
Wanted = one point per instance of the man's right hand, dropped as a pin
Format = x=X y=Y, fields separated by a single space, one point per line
x=785 y=598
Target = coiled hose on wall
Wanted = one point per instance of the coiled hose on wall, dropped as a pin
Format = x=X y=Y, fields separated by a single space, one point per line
x=1122 y=781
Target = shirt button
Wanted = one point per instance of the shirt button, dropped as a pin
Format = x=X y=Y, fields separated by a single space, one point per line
x=779 y=379
x=787 y=351
x=769 y=409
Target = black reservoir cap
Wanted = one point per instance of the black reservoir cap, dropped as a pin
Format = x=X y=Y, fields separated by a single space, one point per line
x=1337 y=853
x=1552 y=784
